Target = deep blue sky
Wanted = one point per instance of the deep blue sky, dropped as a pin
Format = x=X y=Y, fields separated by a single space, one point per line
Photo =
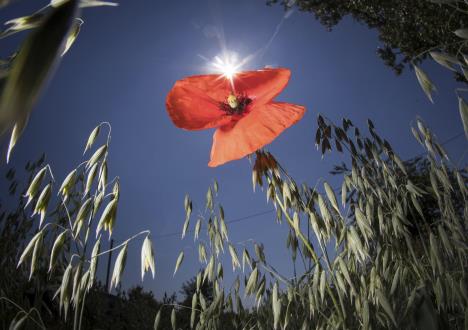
x=127 y=58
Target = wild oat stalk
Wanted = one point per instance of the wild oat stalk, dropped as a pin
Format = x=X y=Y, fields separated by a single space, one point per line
x=391 y=254
x=89 y=201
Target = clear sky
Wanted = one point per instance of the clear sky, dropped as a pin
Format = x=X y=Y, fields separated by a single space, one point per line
x=126 y=60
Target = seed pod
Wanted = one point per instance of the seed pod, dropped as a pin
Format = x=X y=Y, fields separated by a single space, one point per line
x=65 y=290
x=147 y=257
x=35 y=185
x=98 y=154
x=92 y=137
x=93 y=262
x=35 y=255
x=234 y=257
x=180 y=258
x=90 y=178
x=56 y=248
x=43 y=202
x=107 y=217
x=29 y=248
x=157 y=320
x=251 y=282
x=68 y=184
x=173 y=319
x=119 y=266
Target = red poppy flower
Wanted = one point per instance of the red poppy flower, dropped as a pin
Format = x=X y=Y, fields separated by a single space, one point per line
x=246 y=117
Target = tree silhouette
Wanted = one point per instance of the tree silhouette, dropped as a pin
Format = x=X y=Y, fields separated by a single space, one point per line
x=405 y=28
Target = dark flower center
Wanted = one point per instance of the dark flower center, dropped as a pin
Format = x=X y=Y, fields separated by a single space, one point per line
x=235 y=104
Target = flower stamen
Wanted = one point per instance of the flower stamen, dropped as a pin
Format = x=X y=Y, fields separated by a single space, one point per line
x=235 y=104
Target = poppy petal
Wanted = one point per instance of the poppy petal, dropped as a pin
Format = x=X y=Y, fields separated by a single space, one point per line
x=215 y=86
x=262 y=85
x=252 y=132
x=192 y=108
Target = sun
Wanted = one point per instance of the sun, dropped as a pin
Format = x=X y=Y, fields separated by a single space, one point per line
x=228 y=65
x=229 y=71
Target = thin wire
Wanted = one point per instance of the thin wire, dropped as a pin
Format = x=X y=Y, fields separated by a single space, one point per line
x=230 y=221
x=258 y=214
x=451 y=139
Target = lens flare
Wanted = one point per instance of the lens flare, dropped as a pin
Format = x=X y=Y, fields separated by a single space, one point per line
x=228 y=65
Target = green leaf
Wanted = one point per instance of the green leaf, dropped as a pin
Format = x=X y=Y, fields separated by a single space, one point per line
x=193 y=314
x=186 y=222
x=197 y=229
x=435 y=253
x=465 y=71
x=234 y=257
x=385 y=305
x=224 y=230
x=36 y=254
x=209 y=199
x=331 y=196
x=395 y=281
x=102 y=176
x=147 y=257
x=31 y=68
x=365 y=314
x=58 y=244
x=18 y=322
x=157 y=320
x=90 y=178
x=85 y=3
x=296 y=224
x=108 y=216
x=180 y=258
x=324 y=211
x=119 y=266
x=173 y=319
x=276 y=304
x=65 y=289
x=363 y=223
x=323 y=282
x=35 y=185
x=97 y=156
x=92 y=138
x=343 y=193
x=83 y=213
x=463 y=107
x=29 y=248
x=18 y=129
x=73 y=35
x=246 y=259
x=462 y=33
x=251 y=282
x=426 y=84
x=344 y=270
x=68 y=183
x=94 y=3
x=444 y=60
x=93 y=262
x=43 y=202
x=23 y=23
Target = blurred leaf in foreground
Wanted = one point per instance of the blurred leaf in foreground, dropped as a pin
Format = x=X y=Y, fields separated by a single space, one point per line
x=31 y=68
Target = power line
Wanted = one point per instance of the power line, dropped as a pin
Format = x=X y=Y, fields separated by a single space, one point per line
x=453 y=138
x=254 y=215
x=450 y=139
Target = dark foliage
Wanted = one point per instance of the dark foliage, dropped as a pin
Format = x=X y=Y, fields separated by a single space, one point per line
x=15 y=229
x=406 y=28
